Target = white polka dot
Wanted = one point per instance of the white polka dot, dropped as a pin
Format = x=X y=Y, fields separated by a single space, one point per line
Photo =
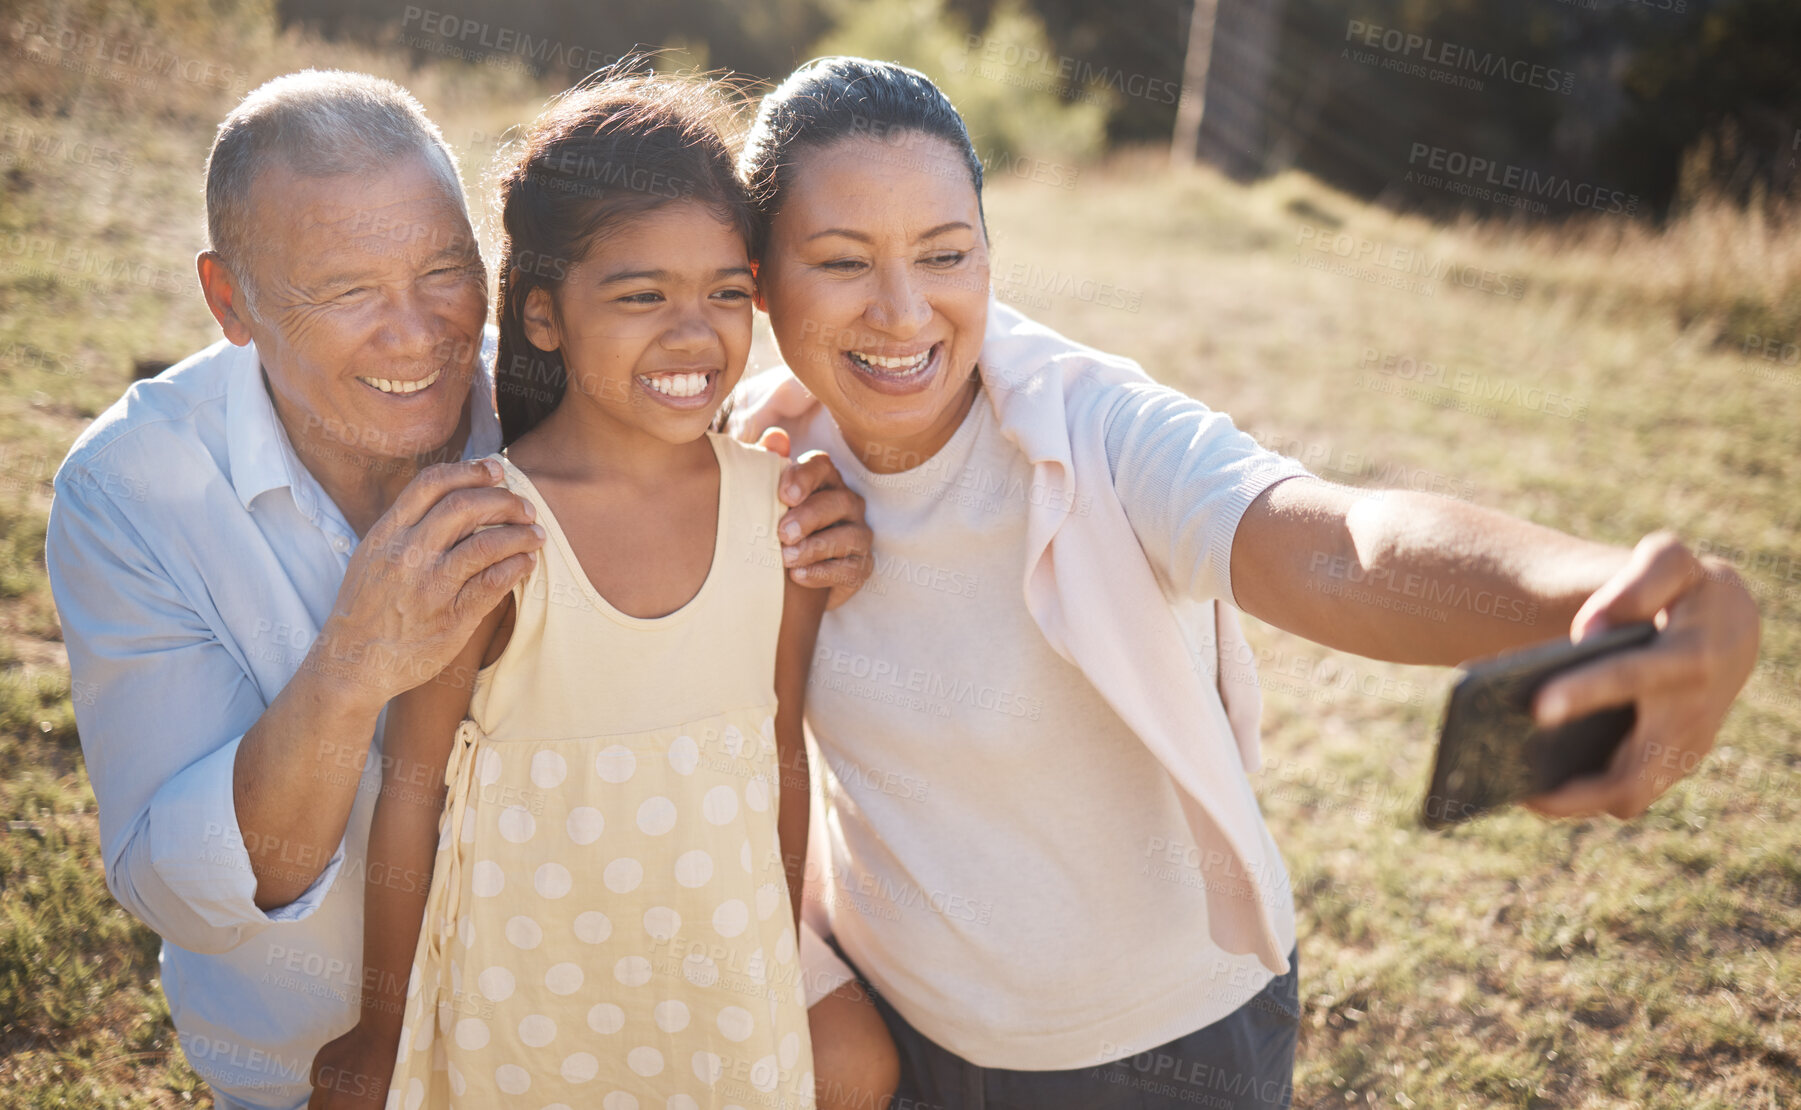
x=768 y=897
x=496 y=983
x=764 y=1074
x=516 y=824
x=487 y=766
x=756 y=795
x=700 y=970
x=693 y=868
x=784 y=946
x=537 y=1030
x=656 y=816
x=486 y=878
x=790 y=1050
x=512 y=1079
x=592 y=927
x=585 y=824
x=524 y=933
x=415 y=1093
x=767 y=731
x=731 y=918
x=671 y=1016
x=744 y=855
x=466 y=930
x=564 y=978
x=661 y=922
x=457 y=1083
x=633 y=971
x=472 y=1034
x=719 y=805
x=732 y=740
x=552 y=880
x=707 y=1067
x=681 y=1102
x=684 y=755
x=579 y=1067
x=736 y=1024
x=623 y=875
x=548 y=770
x=619 y=1100
x=606 y=1018
x=615 y=764
x=644 y=1060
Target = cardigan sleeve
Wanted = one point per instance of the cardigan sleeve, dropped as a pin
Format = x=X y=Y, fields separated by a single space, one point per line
x=1185 y=475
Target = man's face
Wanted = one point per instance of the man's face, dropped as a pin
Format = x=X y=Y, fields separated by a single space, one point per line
x=370 y=298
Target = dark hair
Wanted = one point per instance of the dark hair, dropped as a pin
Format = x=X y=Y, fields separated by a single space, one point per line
x=620 y=144
x=839 y=97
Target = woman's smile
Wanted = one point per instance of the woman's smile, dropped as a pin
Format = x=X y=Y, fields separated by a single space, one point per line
x=896 y=374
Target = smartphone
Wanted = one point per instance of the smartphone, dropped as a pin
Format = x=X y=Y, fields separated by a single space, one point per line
x=1491 y=753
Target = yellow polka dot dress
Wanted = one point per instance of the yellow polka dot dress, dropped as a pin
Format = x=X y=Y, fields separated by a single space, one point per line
x=608 y=924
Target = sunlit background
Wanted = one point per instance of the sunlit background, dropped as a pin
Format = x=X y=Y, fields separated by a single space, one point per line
x=1539 y=255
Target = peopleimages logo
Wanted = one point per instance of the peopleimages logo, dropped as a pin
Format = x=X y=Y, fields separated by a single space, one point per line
x=1468 y=168
x=1405 y=47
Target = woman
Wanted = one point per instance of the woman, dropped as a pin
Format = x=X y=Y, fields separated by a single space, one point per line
x=1006 y=761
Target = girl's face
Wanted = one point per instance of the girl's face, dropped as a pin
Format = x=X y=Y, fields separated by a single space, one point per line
x=654 y=324
x=876 y=282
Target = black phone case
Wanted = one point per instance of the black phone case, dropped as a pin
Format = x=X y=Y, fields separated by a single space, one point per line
x=1490 y=754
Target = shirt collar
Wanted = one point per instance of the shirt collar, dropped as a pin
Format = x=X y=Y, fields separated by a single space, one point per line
x=257 y=446
x=255 y=442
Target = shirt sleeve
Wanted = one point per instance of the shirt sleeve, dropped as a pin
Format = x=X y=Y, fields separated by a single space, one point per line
x=1185 y=475
x=161 y=705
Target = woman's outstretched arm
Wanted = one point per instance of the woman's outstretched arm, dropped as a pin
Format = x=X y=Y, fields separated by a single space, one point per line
x=1419 y=578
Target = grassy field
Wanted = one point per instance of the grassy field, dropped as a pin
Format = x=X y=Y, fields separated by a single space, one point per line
x=1603 y=380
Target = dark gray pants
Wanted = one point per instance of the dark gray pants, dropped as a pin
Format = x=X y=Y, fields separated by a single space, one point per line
x=1244 y=1061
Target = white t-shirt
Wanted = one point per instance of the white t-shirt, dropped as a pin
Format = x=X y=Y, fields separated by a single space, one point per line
x=1010 y=864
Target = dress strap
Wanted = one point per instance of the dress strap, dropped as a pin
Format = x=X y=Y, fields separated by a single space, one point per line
x=444 y=905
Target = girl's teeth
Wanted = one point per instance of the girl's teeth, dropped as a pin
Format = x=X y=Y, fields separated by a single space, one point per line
x=678 y=385
x=387 y=385
x=903 y=365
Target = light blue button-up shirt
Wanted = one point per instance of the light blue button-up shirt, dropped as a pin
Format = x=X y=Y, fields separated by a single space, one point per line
x=193 y=559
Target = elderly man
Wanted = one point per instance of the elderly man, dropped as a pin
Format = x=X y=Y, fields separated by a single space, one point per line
x=255 y=551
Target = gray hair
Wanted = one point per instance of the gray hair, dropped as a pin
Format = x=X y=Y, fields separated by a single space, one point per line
x=319 y=123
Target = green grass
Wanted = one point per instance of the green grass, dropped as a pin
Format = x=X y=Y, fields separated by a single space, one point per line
x=1515 y=963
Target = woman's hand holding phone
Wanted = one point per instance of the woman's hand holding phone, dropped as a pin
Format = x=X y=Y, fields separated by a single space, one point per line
x=1682 y=684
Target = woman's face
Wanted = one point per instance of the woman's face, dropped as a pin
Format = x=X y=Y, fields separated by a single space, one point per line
x=876 y=283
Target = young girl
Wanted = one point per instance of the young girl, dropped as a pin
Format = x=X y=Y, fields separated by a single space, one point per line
x=611 y=911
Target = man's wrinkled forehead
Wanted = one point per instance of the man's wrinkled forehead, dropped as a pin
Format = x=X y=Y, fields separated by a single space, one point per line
x=403 y=211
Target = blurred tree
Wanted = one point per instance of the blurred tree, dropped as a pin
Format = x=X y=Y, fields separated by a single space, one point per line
x=1652 y=99
x=1715 y=104
x=1006 y=79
